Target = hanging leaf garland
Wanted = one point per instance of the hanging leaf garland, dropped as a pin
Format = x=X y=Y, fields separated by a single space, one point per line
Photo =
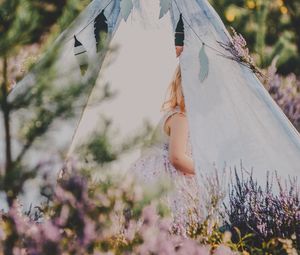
x=179 y=32
x=81 y=56
x=204 y=64
x=100 y=30
x=126 y=8
x=165 y=6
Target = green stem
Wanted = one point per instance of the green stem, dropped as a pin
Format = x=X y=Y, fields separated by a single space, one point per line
x=9 y=243
x=262 y=15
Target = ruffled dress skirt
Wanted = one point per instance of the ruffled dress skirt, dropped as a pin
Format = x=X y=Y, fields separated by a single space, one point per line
x=183 y=199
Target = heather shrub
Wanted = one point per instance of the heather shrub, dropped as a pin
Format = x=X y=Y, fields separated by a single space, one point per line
x=110 y=215
x=116 y=215
x=269 y=219
x=285 y=90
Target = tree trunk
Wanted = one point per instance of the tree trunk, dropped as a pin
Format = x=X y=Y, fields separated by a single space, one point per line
x=6 y=112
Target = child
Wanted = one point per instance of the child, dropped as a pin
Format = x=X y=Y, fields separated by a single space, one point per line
x=169 y=154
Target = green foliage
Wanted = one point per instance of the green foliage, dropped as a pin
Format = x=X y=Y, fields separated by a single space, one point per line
x=29 y=23
x=99 y=147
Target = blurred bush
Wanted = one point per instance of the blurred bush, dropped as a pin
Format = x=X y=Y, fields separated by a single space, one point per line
x=270 y=27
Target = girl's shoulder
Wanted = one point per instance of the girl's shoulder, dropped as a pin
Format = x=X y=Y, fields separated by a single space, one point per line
x=168 y=114
x=173 y=111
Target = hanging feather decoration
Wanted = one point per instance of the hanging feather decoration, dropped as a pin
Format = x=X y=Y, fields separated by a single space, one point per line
x=126 y=8
x=100 y=30
x=179 y=32
x=204 y=64
x=81 y=56
x=165 y=6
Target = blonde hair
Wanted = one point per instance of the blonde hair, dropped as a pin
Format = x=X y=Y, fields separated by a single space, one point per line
x=175 y=93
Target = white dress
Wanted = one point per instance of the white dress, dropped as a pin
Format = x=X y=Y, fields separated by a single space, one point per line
x=154 y=164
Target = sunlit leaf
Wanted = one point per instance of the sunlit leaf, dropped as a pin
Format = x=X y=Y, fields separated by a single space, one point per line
x=126 y=8
x=204 y=64
x=165 y=5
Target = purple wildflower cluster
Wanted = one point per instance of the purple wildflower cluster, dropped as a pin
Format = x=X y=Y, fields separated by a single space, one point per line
x=111 y=215
x=239 y=51
x=262 y=212
x=286 y=92
x=155 y=233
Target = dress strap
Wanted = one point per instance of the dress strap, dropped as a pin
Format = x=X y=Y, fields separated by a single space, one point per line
x=168 y=115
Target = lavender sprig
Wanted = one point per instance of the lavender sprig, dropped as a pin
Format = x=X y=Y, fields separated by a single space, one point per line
x=239 y=52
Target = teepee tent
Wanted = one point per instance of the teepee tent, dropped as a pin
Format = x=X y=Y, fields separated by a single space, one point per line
x=231 y=116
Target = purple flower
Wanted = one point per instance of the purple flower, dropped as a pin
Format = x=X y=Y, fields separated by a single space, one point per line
x=50 y=231
x=89 y=231
x=224 y=250
x=191 y=247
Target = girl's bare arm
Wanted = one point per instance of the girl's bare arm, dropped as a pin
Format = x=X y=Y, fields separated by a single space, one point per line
x=178 y=141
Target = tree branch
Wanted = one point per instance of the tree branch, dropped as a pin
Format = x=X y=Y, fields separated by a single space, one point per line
x=6 y=116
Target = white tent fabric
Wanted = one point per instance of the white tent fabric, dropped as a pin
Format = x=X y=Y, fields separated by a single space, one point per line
x=231 y=116
x=134 y=73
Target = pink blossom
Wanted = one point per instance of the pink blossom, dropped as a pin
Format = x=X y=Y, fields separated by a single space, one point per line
x=149 y=215
x=224 y=250
x=192 y=248
x=50 y=231
x=89 y=231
